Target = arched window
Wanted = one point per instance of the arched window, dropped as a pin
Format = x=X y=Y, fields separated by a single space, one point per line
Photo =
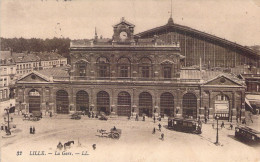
x=145 y=104
x=34 y=101
x=62 y=102
x=189 y=103
x=167 y=104
x=222 y=107
x=81 y=67
x=103 y=67
x=145 y=67
x=124 y=104
x=124 y=69
x=103 y=102
x=82 y=101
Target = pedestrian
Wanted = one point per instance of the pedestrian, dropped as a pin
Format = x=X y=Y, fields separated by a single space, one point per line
x=136 y=117
x=94 y=146
x=222 y=125
x=114 y=128
x=162 y=136
x=12 y=119
x=5 y=127
x=143 y=117
x=159 y=127
x=213 y=125
x=206 y=120
x=154 y=130
x=31 y=130
x=50 y=114
x=129 y=116
x=154 y=118
x=231 y=126
x=93 y=115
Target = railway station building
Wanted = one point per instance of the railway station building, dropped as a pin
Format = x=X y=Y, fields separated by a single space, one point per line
x=145 y=74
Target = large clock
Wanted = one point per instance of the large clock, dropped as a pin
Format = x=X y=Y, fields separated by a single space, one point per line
x=123 y=35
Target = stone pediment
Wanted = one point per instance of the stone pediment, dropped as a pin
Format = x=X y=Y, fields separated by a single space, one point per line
x=124 y=23
x=34 y=77
x=222 y=80
x=167 y=62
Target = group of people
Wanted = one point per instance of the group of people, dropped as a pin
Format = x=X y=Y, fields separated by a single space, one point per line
x=32 y=130
x=160 y=129
x=92 y=115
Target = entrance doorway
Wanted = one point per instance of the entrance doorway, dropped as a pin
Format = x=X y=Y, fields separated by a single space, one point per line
x=34 y=101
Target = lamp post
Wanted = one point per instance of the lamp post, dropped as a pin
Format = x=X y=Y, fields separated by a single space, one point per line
x=217 y=117
x=8 y=132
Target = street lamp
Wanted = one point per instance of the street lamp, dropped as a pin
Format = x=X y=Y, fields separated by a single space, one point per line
x=217 y=117
x=8 y=132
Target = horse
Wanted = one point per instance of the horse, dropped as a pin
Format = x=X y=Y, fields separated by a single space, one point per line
x=102 y=131
x=68 y=144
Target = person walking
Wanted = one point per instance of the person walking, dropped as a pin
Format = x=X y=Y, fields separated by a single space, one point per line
x=231 y=126
x=159 y=127
x=154 y=118
x=206 y=120
x=143 y=117
x=213 y=125
x=154 y=130
x=222 y=125
x=162 y=136
x=31 y=130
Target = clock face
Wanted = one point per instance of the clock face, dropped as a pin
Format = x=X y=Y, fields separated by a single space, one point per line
x=123 y=35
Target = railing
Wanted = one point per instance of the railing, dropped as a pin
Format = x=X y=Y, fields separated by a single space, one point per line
x=88 y=78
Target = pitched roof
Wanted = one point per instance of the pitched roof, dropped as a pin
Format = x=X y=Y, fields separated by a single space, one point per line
x=170 y=26
x=47 y=56
x=6 y=58
x=125 y=22
x=23 y=57
x=58 y=72
x=207 y=76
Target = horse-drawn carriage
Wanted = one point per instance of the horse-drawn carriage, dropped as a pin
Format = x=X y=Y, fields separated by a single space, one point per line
x=34 y=116
x=114 y=133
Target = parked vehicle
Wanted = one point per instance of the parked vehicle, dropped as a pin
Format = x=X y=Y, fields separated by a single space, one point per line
x=76 y=116
x=247 y=134
x=185 y=125
x=114 y=133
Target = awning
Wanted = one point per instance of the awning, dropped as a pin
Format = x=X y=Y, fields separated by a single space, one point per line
x=248 y=105
x=254 y=99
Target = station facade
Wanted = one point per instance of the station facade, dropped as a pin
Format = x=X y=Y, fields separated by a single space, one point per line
x=126 y=75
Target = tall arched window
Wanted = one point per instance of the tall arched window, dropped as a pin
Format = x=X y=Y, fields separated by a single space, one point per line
x=103 y=102
x=124 y=104
x=222 y=107
x=81 y=67
x=34 y=101
x=145 y=104
x=62 y=102
x=189 y=103
x=167 y=104
x=103 y=67
x=124 y=68
x=145 y=67
x=82 y=101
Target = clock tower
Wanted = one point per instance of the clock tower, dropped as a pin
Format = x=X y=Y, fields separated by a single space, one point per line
x=123 y=33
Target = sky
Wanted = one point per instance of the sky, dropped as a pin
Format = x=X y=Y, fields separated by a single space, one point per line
x=234 y=20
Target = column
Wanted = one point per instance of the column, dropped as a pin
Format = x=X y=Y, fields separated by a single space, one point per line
x=178 y=102
x=211 y=105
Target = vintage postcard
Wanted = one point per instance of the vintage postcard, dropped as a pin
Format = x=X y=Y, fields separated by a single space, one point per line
x=130 y=81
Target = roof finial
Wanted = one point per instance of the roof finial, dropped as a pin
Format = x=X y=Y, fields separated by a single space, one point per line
x=96 y=33
x=171 y=8
x=170 y=21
